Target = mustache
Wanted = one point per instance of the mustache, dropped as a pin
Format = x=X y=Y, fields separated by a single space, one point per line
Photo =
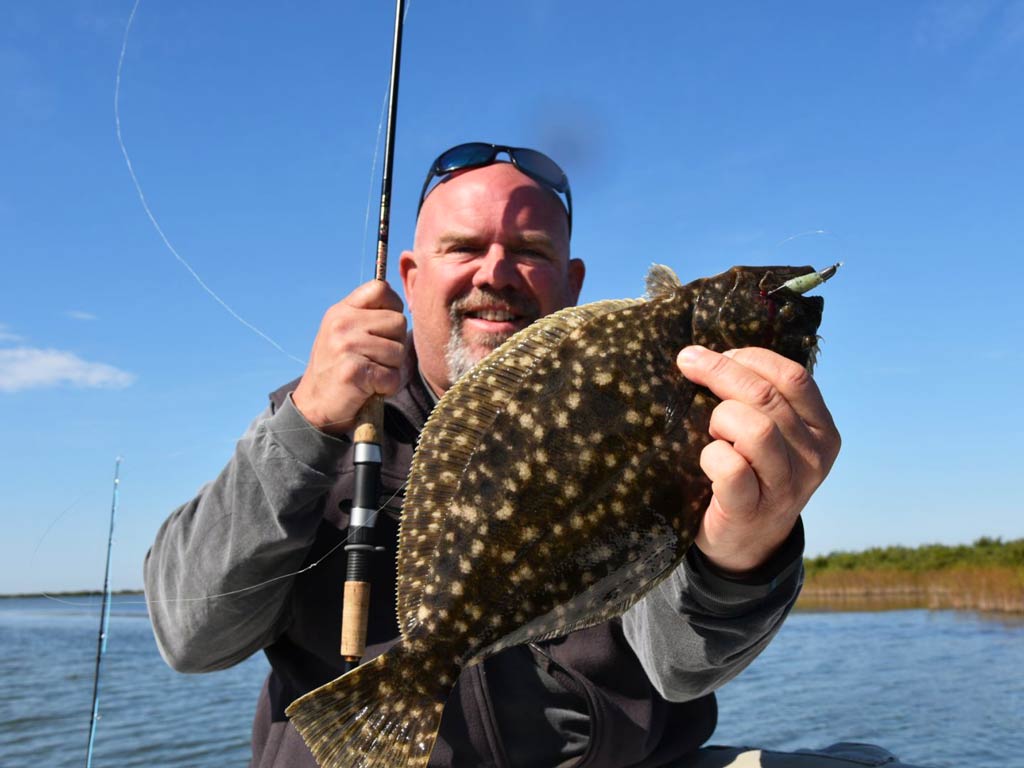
x=487 y=298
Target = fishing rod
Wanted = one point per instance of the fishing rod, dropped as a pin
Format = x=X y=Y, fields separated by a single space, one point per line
x=369 y=423
x=101 y=641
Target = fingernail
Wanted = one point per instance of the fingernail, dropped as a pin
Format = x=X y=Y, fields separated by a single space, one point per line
x=690 y=355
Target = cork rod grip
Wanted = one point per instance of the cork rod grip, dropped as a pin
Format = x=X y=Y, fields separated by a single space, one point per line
x=354 y=613
x=369 y=421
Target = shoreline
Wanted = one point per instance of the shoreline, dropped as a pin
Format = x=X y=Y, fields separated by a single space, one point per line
x=72 y=593
x=993 y=589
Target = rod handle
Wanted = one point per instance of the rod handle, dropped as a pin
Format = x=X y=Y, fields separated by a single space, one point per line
x=370 y=422
x=354 y=614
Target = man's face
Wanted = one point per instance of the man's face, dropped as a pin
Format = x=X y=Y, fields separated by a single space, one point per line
x=491 y=256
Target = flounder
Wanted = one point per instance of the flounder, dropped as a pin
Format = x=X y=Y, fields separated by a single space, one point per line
x=552 y=487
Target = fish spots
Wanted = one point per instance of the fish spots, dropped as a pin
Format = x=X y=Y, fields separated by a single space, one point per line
x=602 y=378
x=504 y=512
x=562 y=419
x=523 y=573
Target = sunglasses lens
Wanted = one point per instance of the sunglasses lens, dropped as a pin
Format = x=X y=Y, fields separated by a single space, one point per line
x=465 y=156
x=543 y=167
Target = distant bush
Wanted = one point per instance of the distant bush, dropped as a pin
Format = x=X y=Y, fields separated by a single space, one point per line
x=984 y=553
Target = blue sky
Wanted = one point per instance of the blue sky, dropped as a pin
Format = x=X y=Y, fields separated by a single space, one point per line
x=700 y=135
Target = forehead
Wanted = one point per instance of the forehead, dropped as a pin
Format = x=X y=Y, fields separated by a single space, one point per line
x=495 y=198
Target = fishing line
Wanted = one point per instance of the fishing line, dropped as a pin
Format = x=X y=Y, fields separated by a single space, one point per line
x=803 y=234
x=228 y=308
x=369 y=192
x=149 y=212
x=42 y=538
x=261 y=584
x=373 y=171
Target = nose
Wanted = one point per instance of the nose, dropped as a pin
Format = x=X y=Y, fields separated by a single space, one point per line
x=496 y=269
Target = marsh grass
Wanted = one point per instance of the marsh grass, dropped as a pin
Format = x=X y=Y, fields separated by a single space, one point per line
x=985 y=576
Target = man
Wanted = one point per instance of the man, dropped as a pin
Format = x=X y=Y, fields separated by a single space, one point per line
x=491 y=254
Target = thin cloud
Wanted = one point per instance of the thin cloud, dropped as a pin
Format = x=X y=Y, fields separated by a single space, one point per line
x=24 y=368
x=8 y=336
x=77 y=314
x=951 y=23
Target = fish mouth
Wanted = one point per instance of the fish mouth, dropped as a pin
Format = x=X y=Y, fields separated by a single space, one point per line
x=796 y=318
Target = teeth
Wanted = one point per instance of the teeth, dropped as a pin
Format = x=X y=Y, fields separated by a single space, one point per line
x=494 y=315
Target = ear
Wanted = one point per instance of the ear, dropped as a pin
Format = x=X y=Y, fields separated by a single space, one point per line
x=407 y=270
x=577 y=271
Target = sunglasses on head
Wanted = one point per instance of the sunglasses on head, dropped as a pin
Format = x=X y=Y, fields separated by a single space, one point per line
x=477 y=154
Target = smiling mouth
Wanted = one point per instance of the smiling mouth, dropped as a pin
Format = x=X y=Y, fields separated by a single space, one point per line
x=493 y=315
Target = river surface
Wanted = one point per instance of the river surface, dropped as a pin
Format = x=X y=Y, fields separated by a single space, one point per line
x=939 y=689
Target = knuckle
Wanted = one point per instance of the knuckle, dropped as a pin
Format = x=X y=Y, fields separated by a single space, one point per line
x=762 y=394
x=796 y=376
x=385 y=380
x=761 y=429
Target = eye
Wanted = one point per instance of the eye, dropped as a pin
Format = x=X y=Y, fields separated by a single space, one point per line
x=464 y=250
x=533 y=254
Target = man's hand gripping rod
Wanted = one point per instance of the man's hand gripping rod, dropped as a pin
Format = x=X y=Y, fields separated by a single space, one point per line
x=369 y=425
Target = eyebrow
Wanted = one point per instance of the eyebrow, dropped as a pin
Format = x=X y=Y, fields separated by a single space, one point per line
x=527 y=239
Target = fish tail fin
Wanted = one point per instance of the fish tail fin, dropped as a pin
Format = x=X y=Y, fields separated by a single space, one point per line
x=383 y=713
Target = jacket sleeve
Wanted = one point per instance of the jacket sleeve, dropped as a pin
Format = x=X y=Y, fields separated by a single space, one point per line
x=698 y=629
x=219 y=572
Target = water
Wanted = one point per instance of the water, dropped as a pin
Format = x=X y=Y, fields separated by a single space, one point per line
x=941 y=689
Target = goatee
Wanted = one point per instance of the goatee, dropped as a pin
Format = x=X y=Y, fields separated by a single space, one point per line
x=462 y=355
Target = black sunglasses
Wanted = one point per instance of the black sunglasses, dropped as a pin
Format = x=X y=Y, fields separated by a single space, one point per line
x=477 y=154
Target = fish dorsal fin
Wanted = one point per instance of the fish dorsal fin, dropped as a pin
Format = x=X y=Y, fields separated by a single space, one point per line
x=662 y=281
x=454 y=430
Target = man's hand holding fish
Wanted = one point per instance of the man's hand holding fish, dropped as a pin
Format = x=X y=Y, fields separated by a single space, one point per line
x=774 y=443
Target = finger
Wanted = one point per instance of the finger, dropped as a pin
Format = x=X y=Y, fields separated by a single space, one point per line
x=384 y=323
x=376 y=294
x=792 y=380
x=758 y=439
x=733 y=480
x=387 y=352
x=368 y=376
x=730 y=380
